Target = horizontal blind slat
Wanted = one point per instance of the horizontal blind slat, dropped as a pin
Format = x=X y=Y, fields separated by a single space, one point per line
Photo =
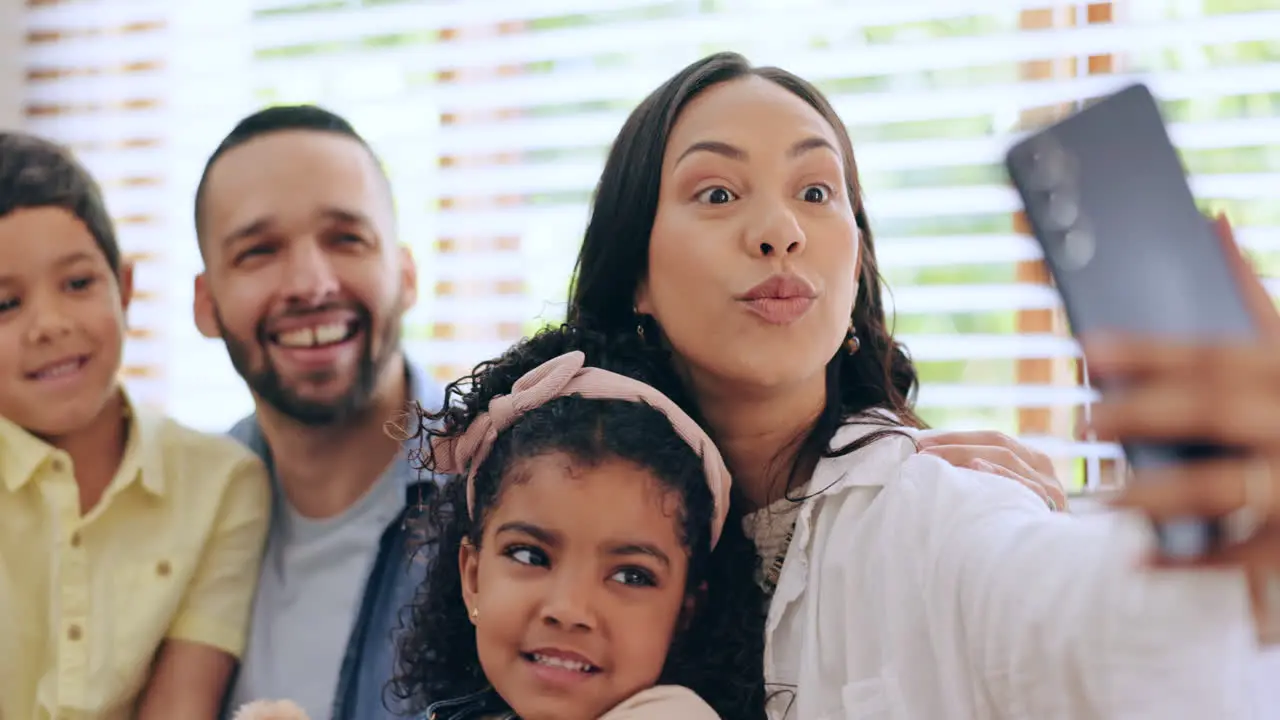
x=787 y=28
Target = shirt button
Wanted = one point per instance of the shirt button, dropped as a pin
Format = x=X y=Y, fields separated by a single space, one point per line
x=73 y=633
x=163 y=569
x=75 y=539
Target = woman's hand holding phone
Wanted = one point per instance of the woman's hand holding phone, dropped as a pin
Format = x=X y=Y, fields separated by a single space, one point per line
x=1227 y=393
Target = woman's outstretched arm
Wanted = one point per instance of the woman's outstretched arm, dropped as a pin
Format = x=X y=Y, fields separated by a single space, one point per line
x=1049 y=615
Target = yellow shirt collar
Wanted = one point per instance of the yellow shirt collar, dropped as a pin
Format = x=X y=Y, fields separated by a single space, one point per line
x=22 y=455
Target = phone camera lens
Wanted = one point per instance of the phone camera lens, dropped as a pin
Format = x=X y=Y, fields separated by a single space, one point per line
x=1061 y=210
x=1048 y=165
x=1077 y=249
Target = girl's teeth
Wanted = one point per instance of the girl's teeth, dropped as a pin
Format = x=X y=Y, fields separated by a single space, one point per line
x=562 y=663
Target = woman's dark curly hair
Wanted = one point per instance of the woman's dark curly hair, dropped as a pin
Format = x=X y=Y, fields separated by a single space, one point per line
x=719 y=652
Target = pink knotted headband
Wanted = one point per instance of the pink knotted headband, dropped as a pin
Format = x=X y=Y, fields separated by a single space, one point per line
x=559 y=377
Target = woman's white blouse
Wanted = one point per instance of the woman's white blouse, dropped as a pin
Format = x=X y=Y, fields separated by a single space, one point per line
x=917 y=590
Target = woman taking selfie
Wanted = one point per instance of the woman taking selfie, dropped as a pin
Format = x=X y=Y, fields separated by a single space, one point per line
x=728 y=227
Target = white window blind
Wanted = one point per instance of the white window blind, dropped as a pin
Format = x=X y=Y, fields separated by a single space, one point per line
x=142 y=92
x=493 y=118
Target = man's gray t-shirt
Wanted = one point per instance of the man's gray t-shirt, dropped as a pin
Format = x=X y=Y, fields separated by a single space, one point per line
x=313 y=581
x=309 y=593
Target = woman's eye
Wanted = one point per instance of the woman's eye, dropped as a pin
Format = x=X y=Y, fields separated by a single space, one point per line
x=716 y=196
x=634 y=577
x=8 y=304
x=817 y=194
x=527 y=556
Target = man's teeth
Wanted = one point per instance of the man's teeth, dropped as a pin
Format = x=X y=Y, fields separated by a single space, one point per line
x=562 y=663
x=312 y=336
x=59 y=370
x=331 y=333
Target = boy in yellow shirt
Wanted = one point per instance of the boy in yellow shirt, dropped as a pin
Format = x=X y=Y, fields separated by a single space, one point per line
x=129 y=545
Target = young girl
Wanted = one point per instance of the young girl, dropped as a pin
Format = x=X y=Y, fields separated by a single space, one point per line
x=586 y=565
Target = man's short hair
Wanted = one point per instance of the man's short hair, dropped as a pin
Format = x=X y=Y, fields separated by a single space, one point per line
x=36 y=173
x=279 y=118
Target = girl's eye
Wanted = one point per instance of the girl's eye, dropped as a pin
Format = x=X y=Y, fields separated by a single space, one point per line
x=817 y=194
x=9 y=304
x=716 y=196
x=526 y=555
x=635 y=577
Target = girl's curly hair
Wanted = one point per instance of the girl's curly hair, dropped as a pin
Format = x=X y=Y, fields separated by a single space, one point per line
x=718 y=655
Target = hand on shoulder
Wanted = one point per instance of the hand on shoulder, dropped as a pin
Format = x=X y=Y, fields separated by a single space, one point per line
x=998 y=454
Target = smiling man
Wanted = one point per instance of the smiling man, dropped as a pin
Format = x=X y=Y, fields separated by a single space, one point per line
x=306 y=284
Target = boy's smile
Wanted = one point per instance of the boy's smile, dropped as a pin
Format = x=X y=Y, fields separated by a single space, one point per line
x=61 y=373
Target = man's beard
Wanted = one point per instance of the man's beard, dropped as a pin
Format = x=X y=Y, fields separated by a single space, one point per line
x=267 y=384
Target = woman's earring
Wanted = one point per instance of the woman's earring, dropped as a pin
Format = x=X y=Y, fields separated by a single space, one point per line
x=852 y=343
x=639 y=323
x=475 y=615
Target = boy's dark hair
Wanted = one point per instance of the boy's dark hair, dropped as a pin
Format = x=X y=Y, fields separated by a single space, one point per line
x=278 y=118
x=36 y=173
x=720 y=655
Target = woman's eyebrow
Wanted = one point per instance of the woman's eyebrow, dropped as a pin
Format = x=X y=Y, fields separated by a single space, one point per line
x=717 y=147
x=724 y=149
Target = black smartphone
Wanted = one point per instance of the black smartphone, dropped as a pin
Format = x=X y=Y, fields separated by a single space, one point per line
x=1107 y=198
